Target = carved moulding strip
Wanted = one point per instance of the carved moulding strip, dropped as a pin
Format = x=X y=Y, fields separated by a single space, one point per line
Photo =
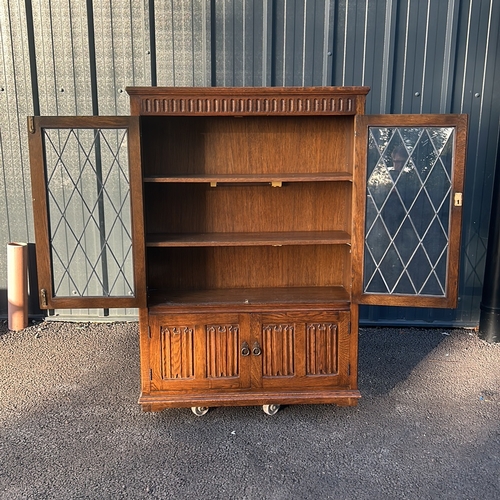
x=278 y=350
x=321 y=349
x=222 y=351
x=247 y=106
x=177 y=352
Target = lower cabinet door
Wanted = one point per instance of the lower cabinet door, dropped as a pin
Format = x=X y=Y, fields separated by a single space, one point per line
x=249 y=358
x=301 y=351
x=199 y=352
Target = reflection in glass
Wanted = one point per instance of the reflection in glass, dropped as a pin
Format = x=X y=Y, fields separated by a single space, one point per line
x=408 y=201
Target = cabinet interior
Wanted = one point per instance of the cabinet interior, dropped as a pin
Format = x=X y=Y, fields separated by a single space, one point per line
x=179 y=145
x=256 y=203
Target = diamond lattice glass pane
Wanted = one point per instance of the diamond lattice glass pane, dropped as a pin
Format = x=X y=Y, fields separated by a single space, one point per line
x=407 y=210
x=89 y=212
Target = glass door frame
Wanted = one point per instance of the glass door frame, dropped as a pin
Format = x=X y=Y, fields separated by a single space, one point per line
x=36 y=127
x=362 y=125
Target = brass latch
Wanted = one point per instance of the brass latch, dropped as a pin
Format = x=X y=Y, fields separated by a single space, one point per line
x=458 y=199
x=43 y=298
x=31 y=124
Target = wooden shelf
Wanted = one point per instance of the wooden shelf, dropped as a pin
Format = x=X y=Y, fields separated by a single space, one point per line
x=251 y=178
x=249 y=239
x=248 y=298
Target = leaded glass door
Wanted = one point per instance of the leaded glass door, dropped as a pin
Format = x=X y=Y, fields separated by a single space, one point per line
x=87 y=200
x=408 y=209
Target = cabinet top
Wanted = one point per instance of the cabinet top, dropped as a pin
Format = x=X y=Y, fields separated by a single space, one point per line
x=245 y=101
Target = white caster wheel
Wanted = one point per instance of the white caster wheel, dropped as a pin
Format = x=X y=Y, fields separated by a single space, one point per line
x=271 y=409
x=199 y=411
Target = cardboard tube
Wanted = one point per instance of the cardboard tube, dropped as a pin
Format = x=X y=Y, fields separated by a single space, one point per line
x=17 y=286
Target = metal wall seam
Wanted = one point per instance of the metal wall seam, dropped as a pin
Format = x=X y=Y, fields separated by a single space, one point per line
x=449 y=56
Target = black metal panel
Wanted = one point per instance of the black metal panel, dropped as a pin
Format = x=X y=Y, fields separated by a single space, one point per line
x=447 y=51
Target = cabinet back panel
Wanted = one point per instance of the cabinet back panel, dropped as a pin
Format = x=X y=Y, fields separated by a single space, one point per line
x=198 y=208
x=246 y=145
x=248 y=267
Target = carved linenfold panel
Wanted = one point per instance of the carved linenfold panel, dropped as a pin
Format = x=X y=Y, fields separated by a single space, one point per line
x=278 y=350
x=247 y=105
x=321 y=349
x=177 y=352
x=222 y=351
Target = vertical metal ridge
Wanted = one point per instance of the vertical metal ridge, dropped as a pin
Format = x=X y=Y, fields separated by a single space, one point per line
x=405 y=57
x=449 y=63
x=344 y=55
x=265 y=35
x=173 y=44
x=213 y=45
x=365 y=31
x=424 y=64
x=304 y=39
x=388 y=58
x=466 y=57
x=32 y=57
x=326 y=52
x=283 y=74
x=334 y=27
x=152 y=43
x=244 y=42
x=272 y=37
x=92 y=57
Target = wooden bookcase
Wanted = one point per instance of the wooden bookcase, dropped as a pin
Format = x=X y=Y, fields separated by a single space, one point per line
x=249 y=226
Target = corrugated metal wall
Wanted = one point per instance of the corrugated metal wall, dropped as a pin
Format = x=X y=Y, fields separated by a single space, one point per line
x=66 y=57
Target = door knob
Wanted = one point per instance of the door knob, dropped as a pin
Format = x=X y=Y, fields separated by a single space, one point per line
x=245 y=349
x=256 y=350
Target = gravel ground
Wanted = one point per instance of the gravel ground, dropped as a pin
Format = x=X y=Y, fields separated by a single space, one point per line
x=427 y=427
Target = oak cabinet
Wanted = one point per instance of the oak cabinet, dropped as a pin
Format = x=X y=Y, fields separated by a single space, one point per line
x=243 y=358
x=247 y=224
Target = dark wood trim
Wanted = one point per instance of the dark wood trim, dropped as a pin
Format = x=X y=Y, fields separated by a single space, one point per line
x=40 y=215
x=162 y=400
x=244 y=101
x=137 y=210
